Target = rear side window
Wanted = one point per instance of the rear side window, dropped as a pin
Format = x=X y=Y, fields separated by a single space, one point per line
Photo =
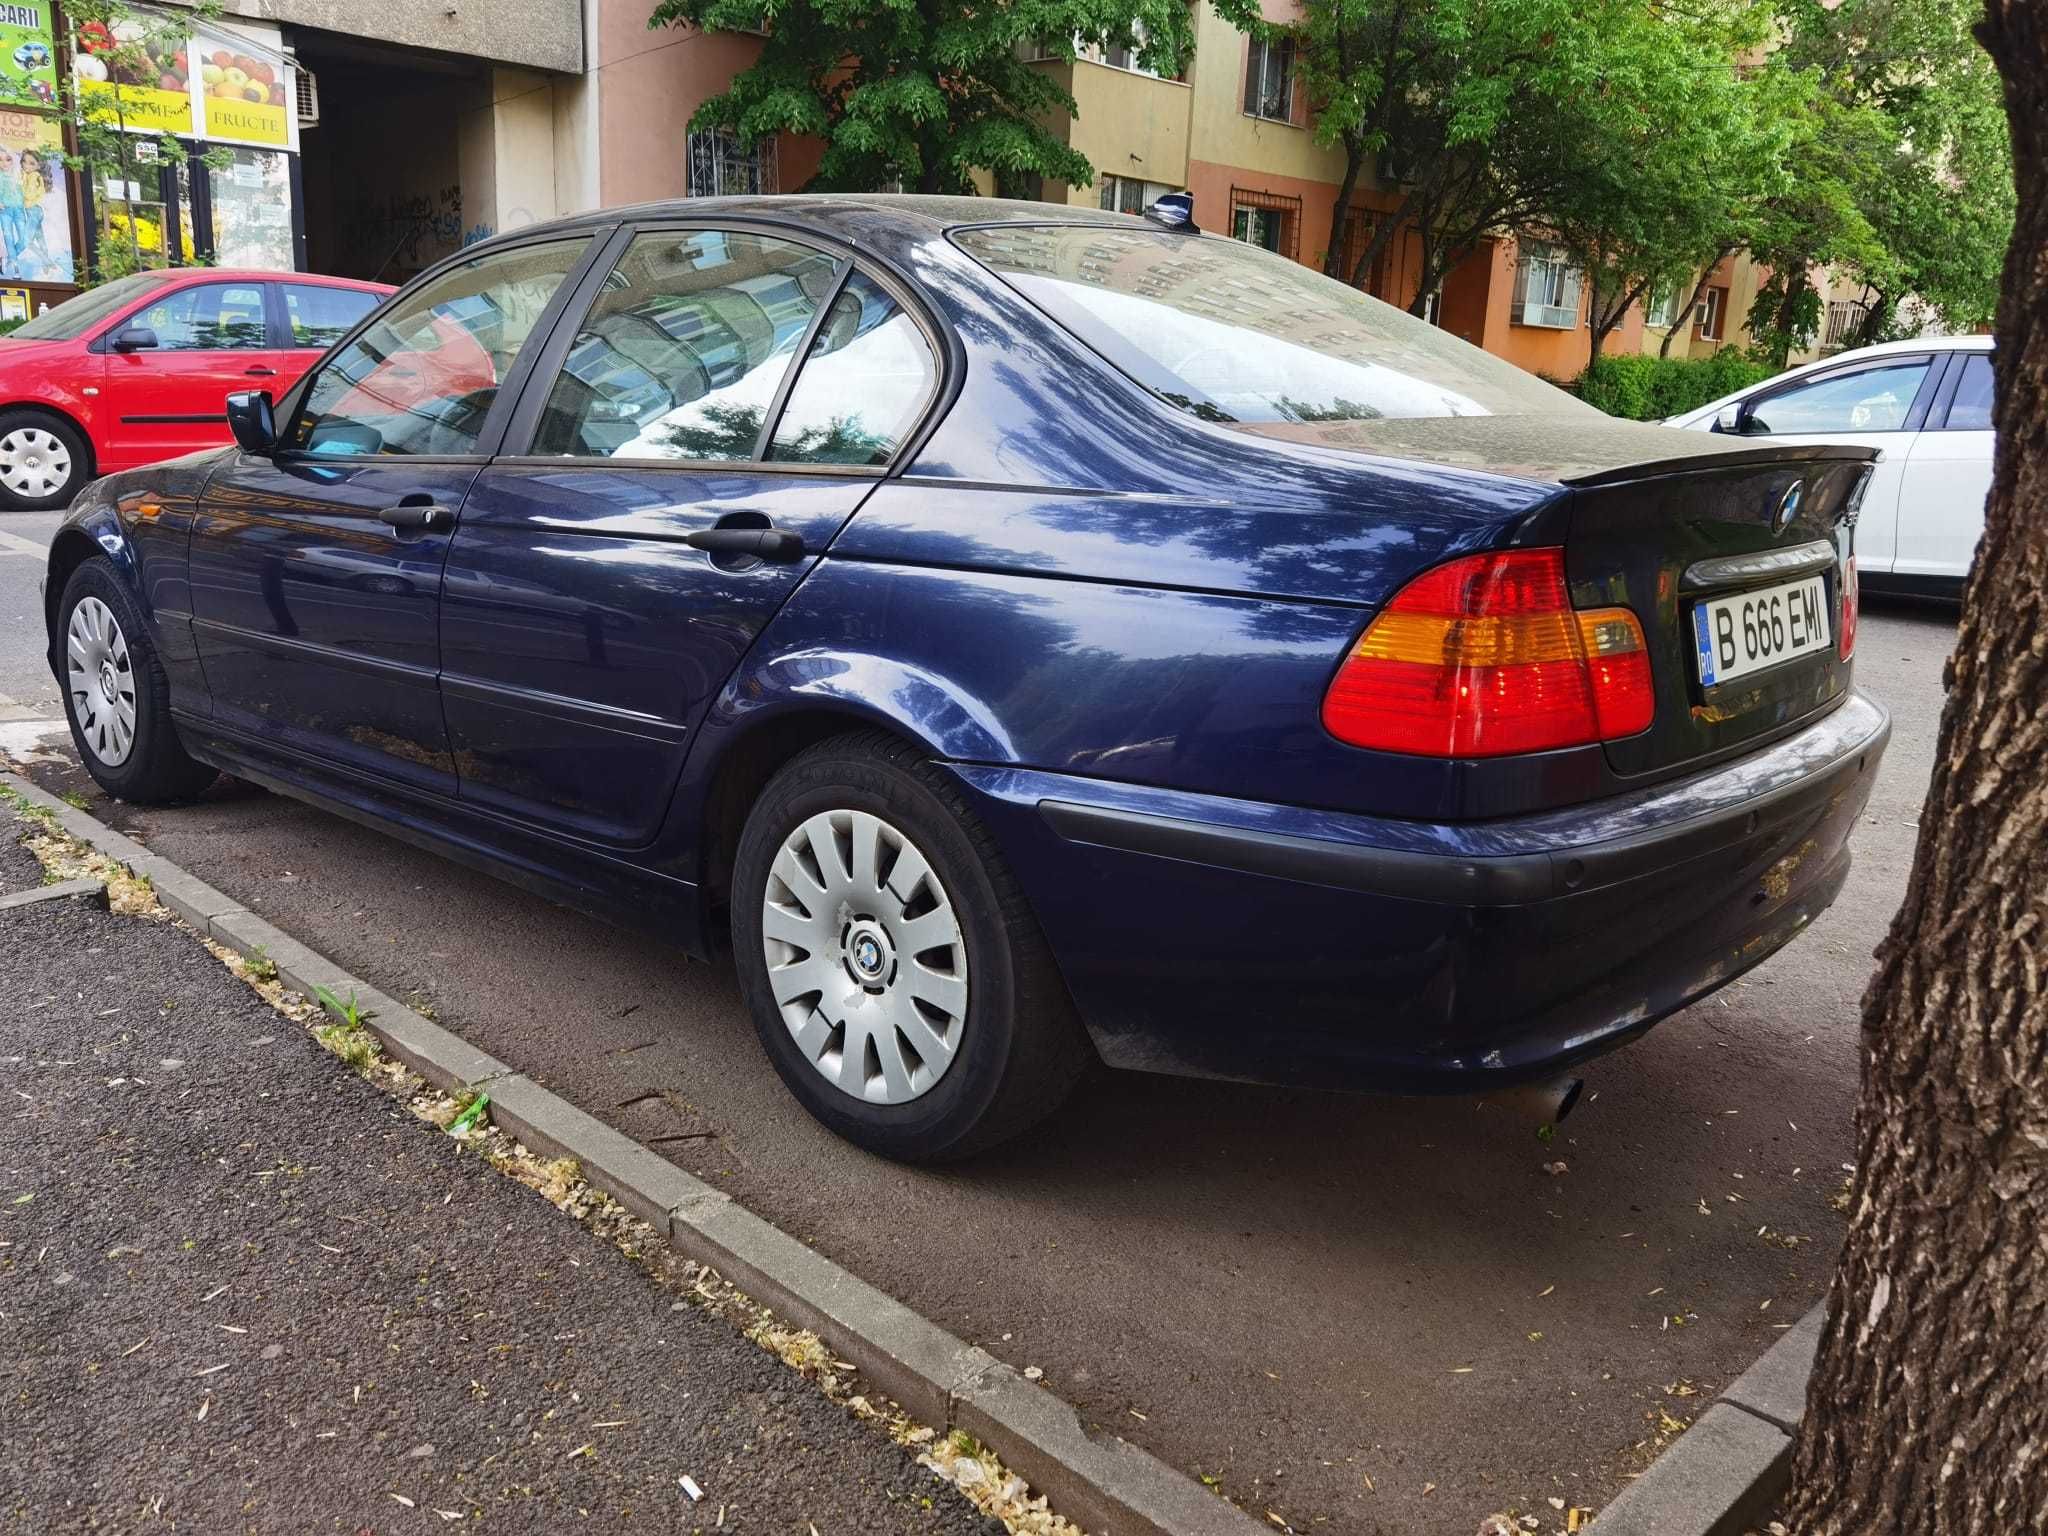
x=1970 y=411
x=207 y=317
x=321 y=316
x=1234 y=334
x=863 y=384
x=81 y=312
x=685 y=348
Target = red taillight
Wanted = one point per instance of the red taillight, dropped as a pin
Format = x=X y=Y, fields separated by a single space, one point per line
x=1851 y=601
x=1486 y=656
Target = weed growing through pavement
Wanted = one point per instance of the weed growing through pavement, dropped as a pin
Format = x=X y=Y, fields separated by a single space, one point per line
x=261 y=966
x=75 y=800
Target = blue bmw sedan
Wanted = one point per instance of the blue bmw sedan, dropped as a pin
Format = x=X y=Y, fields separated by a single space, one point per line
x=1019 y=636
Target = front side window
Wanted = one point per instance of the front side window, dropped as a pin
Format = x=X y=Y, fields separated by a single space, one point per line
x=721 y=166
x=1874 y=399
x=320 y=316
x=207 y=317
x=1546 y=288
x=1269 y=79
x=863 y=384
x=424 y=375
x=1232 y=334
x=684 y=348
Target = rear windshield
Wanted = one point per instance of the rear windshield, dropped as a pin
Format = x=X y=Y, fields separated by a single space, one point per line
x=1232 y=333
x=79 y=314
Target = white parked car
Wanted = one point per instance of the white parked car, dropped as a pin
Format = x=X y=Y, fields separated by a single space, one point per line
x=1926 y=405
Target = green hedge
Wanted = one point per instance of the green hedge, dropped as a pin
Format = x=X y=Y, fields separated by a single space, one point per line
x=1646 y=388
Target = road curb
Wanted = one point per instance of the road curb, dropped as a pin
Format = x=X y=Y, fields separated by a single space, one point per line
x=1722 y=1475
x=1100 y=1482
x=93 y=891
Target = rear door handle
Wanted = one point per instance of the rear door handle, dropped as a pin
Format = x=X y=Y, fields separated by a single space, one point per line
x=777 y=544
x=259 y=372
x=417 y=515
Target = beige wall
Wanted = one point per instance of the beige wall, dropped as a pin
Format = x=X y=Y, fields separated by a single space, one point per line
x=1223 y=134
x=1128 y=125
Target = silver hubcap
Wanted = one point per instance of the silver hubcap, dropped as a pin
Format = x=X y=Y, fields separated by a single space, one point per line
x=34 y=462
x=865 y=957
x=102 y=683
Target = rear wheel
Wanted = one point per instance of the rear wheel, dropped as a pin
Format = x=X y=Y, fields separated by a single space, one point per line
x=43 y=461
x=116 y=696
x=897 y=978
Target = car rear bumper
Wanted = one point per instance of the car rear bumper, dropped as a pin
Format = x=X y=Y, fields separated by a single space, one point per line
x=1275 y=944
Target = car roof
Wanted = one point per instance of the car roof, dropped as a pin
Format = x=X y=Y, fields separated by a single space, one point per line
x=183 y=275
x=911 y=212
x=1969 y=343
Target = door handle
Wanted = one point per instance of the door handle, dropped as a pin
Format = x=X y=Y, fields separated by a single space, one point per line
x=417 y=515
x=259 y=372
x=777 y=544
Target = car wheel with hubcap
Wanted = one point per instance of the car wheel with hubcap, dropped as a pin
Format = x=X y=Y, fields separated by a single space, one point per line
x=895 y=973
x=116 y=696
x=43 y=461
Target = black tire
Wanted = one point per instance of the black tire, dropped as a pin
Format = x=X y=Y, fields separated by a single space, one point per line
x=1021 y=1049
x=155 y=769
x=29 y=423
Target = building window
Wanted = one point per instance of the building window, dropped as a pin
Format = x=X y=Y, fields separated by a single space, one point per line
x=1662 y=310
x=1269 y=80
x=1130 y=194
x=1266 y=219
x=721 y=167
x=1708 y=318
x=1546 y=288
x=1844 y=323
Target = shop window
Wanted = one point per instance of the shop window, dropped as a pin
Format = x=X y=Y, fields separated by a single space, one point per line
x=1269 y=79
x=720 y=166
x=1546 y=288
x=210 y=317
x=422 y=379
x=866 y=378
x=250 y=204
x=684 y=348
x=321 y=316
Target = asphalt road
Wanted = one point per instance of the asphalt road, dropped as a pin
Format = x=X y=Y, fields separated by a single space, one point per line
x=243 y=1290
x=29 y=702
x=1381 y=1313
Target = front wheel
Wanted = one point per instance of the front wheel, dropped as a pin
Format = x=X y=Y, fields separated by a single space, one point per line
x=116 y=696
x=896 y=975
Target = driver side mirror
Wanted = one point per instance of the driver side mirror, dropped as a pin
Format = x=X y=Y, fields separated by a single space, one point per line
x=252 y=420
x=1739 y=420
x=133 y=338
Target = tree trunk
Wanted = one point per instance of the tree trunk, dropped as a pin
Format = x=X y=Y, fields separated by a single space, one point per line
x=1699 y=290
x=1340 y=207
x=1928 y=1409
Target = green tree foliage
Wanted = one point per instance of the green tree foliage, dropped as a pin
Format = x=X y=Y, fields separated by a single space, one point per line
x=921 y=92
x=1902 y=169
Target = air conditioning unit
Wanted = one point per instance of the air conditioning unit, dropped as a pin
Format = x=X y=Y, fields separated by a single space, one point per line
x=308 y=94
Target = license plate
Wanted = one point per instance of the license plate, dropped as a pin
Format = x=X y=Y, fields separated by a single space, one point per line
x=1750 y=631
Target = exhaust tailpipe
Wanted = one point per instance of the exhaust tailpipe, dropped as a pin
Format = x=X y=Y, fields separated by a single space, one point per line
x=1548 y=1099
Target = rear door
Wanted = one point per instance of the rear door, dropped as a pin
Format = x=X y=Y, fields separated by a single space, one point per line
x=316 y=570
x=605 y=582
x=161 y=401
x=1875 y=403
x=1948 y=476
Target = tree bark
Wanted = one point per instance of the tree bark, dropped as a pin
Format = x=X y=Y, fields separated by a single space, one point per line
x=1928 y=1408
x=1340 y=207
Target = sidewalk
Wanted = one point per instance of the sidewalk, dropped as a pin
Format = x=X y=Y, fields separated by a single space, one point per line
x=246 y=1291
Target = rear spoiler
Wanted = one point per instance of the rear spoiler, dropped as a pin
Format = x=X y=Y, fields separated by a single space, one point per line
x=1731 y=458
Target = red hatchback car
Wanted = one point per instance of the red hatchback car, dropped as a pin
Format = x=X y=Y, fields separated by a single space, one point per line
x=139 y=369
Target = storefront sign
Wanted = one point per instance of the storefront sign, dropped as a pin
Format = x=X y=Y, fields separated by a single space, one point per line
x=35 y=217
x=247 y=92
x=157 y=74
x=28 y=55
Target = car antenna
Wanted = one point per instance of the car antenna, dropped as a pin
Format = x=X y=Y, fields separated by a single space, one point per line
x=1175 y=211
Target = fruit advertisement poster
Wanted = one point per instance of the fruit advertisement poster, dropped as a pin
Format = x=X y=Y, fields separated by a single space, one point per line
x=135 y=75
x=247 y=92
x=28 y=54
x=35 y=216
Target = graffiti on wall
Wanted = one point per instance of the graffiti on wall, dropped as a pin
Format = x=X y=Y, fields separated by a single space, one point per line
x=404 y=233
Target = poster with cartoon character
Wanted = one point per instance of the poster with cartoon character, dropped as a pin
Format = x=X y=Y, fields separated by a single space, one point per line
x=28 y=55
x=35 y=219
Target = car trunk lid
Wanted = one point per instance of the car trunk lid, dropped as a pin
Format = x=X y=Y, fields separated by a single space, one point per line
x=1735 y=564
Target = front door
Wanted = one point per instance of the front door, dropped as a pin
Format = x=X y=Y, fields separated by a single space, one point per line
x=316 y=571
x=211 y=340
x=604 y=584
x=1875 y=404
